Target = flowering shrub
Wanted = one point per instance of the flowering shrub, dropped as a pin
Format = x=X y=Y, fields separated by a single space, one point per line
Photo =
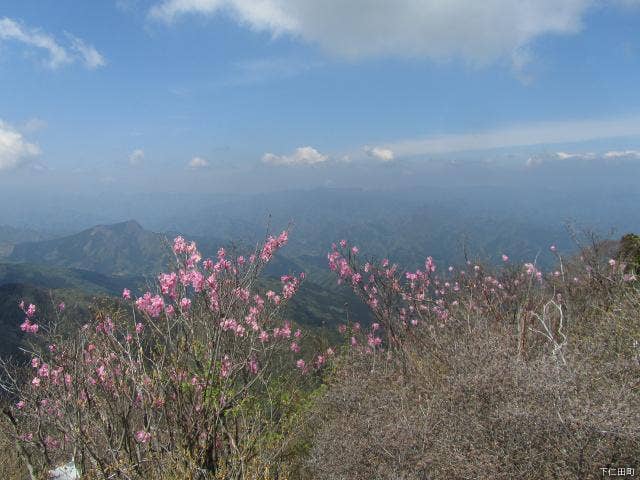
x=467 y=372
x=201 y=373
x=483 y=373
x=402 y=302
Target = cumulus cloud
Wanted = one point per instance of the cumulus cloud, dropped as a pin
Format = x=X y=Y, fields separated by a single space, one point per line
x=302 y=156
x=478 y=32
x=14 y=149
x=380 y=153
x=630 y=154
x=197 y=163
x=136 y=157
x=569 y=156
x=58 y=54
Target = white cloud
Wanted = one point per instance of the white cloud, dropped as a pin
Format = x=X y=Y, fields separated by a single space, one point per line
x=136 y=157
x=478 y=32
x=198 y=162
x=567 y=156
x=545 y=133
x=14 y=149
x=58 y=55
x=537 y=160
x=632 y=154
x=12 y=30
x=258 y=14
x=91 y=57
x=380 y=153
x=302 y=156
x=546 y=158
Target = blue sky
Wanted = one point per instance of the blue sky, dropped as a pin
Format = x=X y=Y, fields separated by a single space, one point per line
x=212 y=95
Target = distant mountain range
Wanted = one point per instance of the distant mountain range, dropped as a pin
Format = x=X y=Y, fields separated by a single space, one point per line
x=122 y=249
x=101 y=261
x=403 y=226
x=9 y=236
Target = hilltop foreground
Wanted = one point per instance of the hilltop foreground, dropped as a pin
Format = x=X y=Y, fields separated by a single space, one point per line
x=465 y=372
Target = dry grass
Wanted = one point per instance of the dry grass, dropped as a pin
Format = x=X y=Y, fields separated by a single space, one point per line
x=467 y=404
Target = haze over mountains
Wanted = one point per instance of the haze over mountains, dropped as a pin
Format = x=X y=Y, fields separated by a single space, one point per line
x=405 y=224
x=128 y=247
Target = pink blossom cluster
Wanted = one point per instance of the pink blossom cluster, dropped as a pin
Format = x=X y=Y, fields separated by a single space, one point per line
x=532 y=271
x=28 y=325
x=168 y=283
x=272 y=245
x=151 y=305
x=290 y=285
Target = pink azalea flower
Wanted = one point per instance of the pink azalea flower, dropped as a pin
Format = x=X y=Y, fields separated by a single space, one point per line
x=142 y=436
x=43 y=371
x=179 y=245
x=253 y=366
x=225 y=367
x=185 y=304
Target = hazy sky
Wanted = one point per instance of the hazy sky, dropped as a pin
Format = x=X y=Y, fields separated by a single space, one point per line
x=212 y=95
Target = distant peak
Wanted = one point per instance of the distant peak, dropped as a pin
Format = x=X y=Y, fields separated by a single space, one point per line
x=130 y=226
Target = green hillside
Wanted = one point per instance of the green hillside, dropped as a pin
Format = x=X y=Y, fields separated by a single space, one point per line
x=121 y=249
